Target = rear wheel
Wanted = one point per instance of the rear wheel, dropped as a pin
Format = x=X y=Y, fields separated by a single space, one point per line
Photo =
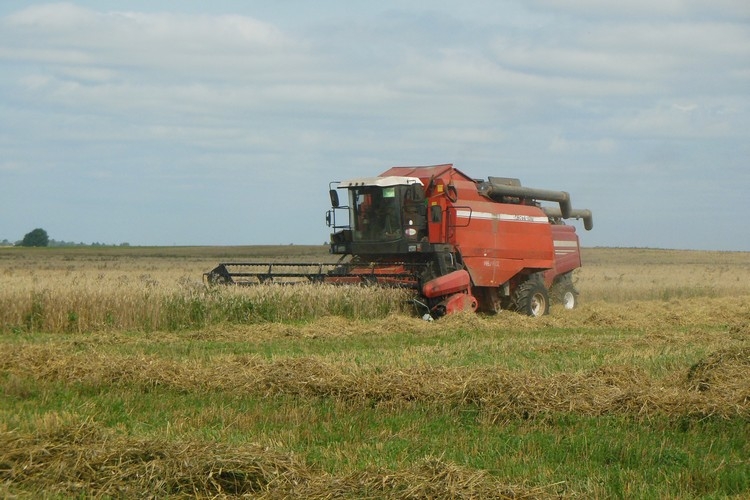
x=531 y=297
x=563 y=292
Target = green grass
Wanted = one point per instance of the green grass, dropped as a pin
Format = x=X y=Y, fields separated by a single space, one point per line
x=618 y=455
x=610 y=455
x=553 y=350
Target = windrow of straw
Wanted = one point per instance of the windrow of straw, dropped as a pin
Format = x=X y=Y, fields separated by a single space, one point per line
x=717 y=386
x=74 y=457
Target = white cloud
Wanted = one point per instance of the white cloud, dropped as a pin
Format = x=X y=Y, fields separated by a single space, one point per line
x=584 y=58
x=14 y=51
x=88 y=74
x=10 y=166
x=35 y=81
x=677 y=121
x=78 y=25
x=636 y=57
x=58 y=16
x=65 y=34
x=561 y=144
x=685 y=108
x=640 y=8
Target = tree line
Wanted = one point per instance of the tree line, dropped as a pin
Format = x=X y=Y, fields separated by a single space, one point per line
x=39 y=238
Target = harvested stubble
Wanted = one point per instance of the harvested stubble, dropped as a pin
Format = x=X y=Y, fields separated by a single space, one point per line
x=73 y=457
x=717 y=386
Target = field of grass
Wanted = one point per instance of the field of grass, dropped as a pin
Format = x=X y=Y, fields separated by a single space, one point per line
x=121 y=375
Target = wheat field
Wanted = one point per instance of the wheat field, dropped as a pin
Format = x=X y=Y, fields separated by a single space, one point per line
x=65 y=290
x=122 y=375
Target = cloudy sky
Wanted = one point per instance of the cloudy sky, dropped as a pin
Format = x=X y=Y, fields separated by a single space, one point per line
x=168 y=122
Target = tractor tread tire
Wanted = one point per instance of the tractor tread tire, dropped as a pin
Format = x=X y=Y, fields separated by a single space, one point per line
x=531 y=297
x=563 y=292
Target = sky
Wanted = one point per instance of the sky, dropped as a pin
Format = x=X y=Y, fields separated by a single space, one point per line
x=167 y=122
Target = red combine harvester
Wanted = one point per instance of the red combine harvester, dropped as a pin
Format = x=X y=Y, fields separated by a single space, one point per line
x=462 y=244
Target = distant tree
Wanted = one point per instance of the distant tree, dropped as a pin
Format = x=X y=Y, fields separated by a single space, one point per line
x=36 y=238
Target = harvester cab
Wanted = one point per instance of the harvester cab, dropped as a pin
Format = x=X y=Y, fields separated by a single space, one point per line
x=385 y=216
x=461 y=244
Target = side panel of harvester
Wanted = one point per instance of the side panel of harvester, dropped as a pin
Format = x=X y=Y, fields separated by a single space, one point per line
x=567 y=252
x=498 y=241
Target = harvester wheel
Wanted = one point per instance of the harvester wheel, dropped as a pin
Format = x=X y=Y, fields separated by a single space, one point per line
x=563 y=292
x=489 y=299
x=531 y=297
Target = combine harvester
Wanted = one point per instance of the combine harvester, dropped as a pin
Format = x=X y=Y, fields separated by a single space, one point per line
x=462 y=244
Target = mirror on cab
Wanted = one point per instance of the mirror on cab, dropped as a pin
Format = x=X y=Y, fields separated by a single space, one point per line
x=334 y=198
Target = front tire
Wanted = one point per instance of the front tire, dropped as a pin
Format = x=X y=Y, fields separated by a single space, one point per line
x=531 y=298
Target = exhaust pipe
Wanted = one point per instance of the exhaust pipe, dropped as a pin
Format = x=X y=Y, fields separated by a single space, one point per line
x=576 y=213
x=498 y=187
